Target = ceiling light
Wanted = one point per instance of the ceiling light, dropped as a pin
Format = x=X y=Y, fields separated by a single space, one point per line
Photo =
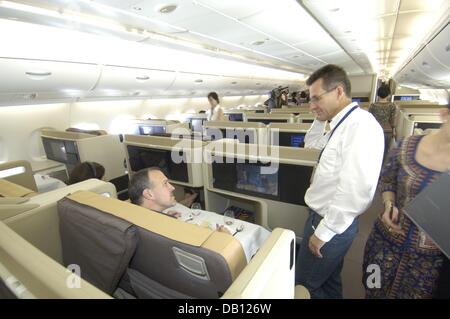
x=142 y=78
x=167 y=8
x=257 y=42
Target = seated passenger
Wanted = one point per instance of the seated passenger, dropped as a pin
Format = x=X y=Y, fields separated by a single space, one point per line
x=151 y=189
x=85 y=171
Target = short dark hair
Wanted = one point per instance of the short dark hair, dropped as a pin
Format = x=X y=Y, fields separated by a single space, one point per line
x=332 y=75
x=214 y=95
x=384 y=91
x=85 y=171
x=138 y=182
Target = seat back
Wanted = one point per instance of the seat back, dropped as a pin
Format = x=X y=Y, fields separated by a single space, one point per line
x=37 y=221
x=10 y=189
x=99 y=243
x=20 y=173
x=27 y=272
x=173 y=259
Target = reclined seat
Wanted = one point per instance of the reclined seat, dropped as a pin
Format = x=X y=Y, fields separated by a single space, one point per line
x=164 y=257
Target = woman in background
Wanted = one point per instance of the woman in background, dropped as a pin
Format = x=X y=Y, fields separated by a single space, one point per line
x=385 y=112
x=216 y=111
x=86 y=170
x=409 y=261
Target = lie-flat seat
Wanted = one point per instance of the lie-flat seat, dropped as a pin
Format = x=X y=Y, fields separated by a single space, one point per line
x=127 y=250
x=10 y=189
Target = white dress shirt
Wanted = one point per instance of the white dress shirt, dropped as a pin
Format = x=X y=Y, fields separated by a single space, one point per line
x=215 y=113
x=346 y=177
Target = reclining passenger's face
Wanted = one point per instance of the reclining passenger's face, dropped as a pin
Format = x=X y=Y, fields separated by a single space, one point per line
x=162 y=190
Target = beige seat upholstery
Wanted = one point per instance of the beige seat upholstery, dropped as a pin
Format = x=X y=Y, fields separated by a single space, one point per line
x=9 y=189
x=24 y=177
x=171 y=259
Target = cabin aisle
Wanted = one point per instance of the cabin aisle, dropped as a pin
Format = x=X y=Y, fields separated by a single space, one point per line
x=352 y=272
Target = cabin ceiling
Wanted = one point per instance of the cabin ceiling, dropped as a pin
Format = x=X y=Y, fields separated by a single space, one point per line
x=365 y=37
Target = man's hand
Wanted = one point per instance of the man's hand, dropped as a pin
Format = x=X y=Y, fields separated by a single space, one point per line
x=315 y=244
x=174 y=214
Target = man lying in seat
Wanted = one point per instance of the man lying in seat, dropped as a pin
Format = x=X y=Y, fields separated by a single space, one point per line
x=151 y=189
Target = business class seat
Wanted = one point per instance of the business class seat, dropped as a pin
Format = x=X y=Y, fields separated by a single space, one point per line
x=128 y=251
x=9 y=189
x=20 y=173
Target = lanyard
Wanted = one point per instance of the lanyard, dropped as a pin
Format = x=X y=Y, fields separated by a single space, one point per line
x=332 y=132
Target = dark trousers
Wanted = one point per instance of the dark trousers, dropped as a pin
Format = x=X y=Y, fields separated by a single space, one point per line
x=322 y=276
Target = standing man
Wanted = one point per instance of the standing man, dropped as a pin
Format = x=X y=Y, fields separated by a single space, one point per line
x=344 y=182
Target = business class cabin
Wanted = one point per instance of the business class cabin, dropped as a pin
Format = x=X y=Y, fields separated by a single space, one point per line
x=259 y=149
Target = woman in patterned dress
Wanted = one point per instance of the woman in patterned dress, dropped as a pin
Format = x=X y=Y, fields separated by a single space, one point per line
x=385 y=112
x=409 y=261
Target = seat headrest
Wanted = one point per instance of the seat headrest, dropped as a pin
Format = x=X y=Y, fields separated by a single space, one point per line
x=9 y=189
x=221 y=243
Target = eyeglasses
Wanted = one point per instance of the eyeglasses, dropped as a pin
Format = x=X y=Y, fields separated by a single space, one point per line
x=316 y=99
